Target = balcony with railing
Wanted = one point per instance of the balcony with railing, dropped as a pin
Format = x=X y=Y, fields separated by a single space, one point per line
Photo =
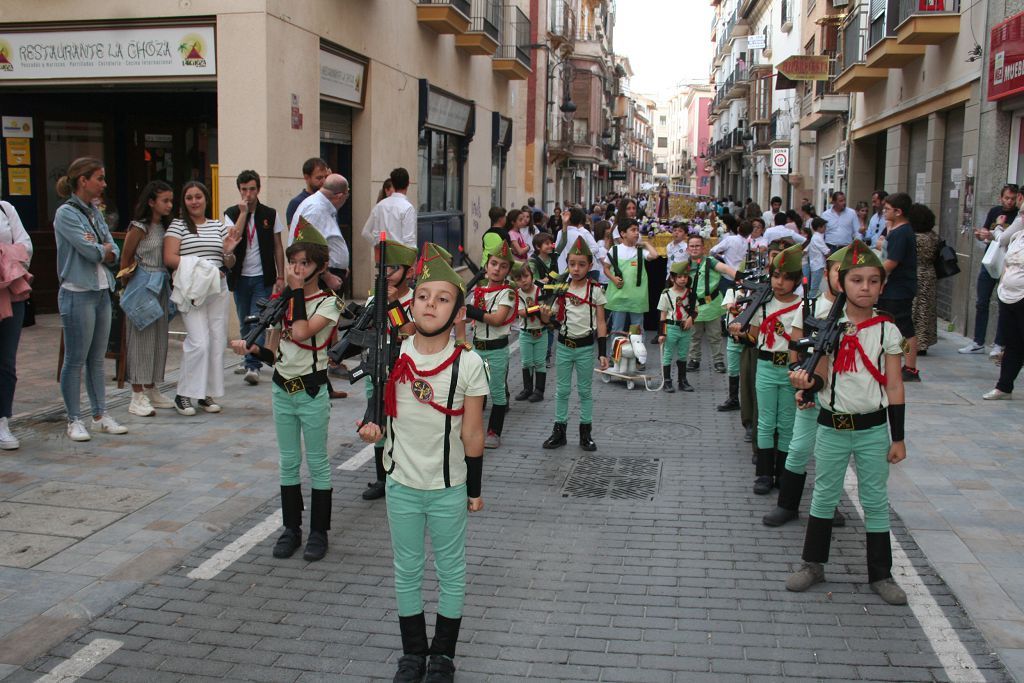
x=927 y=22
x=854 y=37
x=822 y=104
x=484 y=29
x=738 y=82
x=786 y=15
x=444 y=16
x=562 y=32
x=780 y=128
x=513 y=57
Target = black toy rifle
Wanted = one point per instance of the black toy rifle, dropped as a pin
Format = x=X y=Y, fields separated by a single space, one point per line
x=270 y=312
x=823 y=335
x=384 y=339
x=758 y=294
x=478 y=273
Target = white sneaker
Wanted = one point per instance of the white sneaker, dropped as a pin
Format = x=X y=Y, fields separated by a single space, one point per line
x=252 y=377
x=77 y=431
x=140 y=405
x=997 y=395
x=183 y=404
x=109 y=425
x=972 y=348
x=240 y=370
x=996 y=354
x=8 y=441
x=158 y=400
x=208 y=405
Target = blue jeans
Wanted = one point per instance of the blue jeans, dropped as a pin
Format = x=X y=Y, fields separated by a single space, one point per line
x=10 y=334
x=986 y=285
x=248 y=292
x=815 y=281
x=621 y=321
x=85 y=317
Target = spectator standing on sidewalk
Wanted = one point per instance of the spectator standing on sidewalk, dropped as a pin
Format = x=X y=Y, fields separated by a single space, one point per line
x=876 y=223
x=12 y=234
x=258 y=271
x=1002 y=214
x=842 y=223
x=192 y=244
x=1011 y=310
x=314 y=172
x=901 y=276
x=85 y=249
x=320 y=210
x=394 y=214
x=146 y=356
x=923 y=312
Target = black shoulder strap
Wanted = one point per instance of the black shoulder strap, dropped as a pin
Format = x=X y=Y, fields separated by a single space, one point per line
x=615 y=261
x=639 y=265
x=448 y=422
x=89 y=217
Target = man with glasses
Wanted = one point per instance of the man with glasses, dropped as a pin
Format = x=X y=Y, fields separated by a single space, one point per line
x=876 y=224
x=320 y=210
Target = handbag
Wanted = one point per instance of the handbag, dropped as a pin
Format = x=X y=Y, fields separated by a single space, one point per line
x=945 y=263
x=993 y=259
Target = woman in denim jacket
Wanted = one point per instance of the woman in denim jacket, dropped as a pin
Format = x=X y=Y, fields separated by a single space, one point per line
x=84 y=247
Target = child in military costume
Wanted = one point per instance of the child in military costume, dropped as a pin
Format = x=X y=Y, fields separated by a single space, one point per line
x=579 y=313
x=399 y=260
x=533 y=337
x=805 y=423
x=493 y=307
x=433 y=450
x=678 y=309
x=297 y=348
x=859 y=389
x=775 y=395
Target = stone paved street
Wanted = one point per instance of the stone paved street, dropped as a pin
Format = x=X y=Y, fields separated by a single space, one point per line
x=682 y=584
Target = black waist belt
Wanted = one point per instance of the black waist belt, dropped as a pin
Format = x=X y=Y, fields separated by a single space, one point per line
x=310 y=383
x=576 y=342
x=851 y=421
x=774 y=357
x=490 y=344
x=536 y=334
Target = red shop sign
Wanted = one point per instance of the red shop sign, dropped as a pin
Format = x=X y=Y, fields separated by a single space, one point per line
x=1006 y=58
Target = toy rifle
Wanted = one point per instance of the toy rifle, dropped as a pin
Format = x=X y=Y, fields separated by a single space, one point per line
x=478 y=273
x=269 y=313
x=823 y=335
x=758 y=294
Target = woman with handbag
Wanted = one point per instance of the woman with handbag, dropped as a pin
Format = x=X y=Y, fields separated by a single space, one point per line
x=923 y=309
x=143 y=250
x=85 y=249
x=1011 y=311
x=18 y=245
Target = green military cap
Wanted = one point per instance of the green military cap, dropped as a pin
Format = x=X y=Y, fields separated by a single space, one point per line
x=580 y=248
x=859 y=255
x=837 y=255
x=780 y=244
x=432 y=267
x=305 y=233
x=503 y=252
x=437 y=250
x=519 y=266
x=397 y=254
x=679 y=268
x=789 y=260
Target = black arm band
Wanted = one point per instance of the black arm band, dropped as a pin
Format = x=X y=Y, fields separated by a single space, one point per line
x=602 y=346
x=298 y=305
x=266 y=355
x=474 y=476
x=475 y=313
x=897 y=416
x=819 y=383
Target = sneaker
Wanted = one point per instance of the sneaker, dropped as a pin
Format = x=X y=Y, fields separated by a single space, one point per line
x=720 y=367
x=763 y=485
x=996 y=354
x=240 y=370
x=693 y=366
x=252 y=377
x=77 y=431
x=973 y=347
x=8 y=441
x=158 y=400
x=890 y=591
x=374 y=490
x=208 y=405
x=805 y=577
x=911 y=374
x=492 y=440
x=140 y=405
x=996 y=395
x=109 y=425
x=183 y=404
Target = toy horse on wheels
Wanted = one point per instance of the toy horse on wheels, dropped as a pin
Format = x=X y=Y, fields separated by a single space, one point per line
x=627 y=353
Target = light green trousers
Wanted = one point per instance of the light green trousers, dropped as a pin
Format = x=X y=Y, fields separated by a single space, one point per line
x=870 y=449
x=776 y=404
x=497 y=372
x=801 y=446
x=677 y=344
x=580 y=361
x=300 y=420
x=533 y=351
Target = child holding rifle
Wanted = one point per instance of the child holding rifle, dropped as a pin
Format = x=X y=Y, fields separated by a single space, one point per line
x=678 y=308
x=859 y=389
x=433 y=448
x=533 y=338
x=297 y=348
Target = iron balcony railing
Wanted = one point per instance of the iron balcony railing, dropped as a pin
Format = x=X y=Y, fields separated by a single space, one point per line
x=563 y=19
x=912 y=7
x=786 y=11
x=515 y=37
x=853 y=37
x=781 y=124
x=486 y=18
x=461 y=5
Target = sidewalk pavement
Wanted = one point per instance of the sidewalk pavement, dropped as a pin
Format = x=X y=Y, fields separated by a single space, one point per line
x=665 y=574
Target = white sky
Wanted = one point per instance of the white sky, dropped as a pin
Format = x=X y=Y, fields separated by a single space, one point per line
x=667 y=42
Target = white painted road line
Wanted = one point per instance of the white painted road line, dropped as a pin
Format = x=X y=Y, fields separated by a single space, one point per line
x=237 y=548
x=945 y=641
x=82 y=661
x=358 y=460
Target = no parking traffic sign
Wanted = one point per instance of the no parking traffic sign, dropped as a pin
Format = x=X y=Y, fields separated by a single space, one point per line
x=780 y=160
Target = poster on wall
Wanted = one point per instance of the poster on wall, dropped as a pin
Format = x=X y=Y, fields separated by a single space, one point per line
x=18 y=183
x=19 y=152
x=17 y=126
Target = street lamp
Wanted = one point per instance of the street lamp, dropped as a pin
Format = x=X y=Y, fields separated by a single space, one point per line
x=568 y=110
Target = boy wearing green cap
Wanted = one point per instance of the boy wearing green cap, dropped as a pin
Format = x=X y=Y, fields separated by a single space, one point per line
x=433 y=450
x=398 y=260
x=493 y=308
x=533 y=338
x=297 y=348
x=859 y=389
x=579 y=313
x=677 y=312
x=775 y=395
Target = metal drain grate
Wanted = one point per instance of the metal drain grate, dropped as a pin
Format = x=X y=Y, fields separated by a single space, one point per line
x=615 y=478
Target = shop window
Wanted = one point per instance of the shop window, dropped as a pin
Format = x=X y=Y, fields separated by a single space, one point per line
x=440 y=192
x=499 y=157
x=66 y=141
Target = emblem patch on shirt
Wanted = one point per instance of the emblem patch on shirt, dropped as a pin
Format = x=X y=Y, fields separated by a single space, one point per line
x=779 y=327
x=422 y=390
x=851 y=329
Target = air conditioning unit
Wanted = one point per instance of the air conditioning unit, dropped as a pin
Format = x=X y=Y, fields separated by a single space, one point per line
x=840 y=3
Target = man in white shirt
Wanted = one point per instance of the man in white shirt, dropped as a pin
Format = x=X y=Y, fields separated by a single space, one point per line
x=842 y=224
x=320 y=209
x=394 y=215
x=876 y=225
x=776 y=207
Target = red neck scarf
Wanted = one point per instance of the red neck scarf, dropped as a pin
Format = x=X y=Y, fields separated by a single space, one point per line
x=768 y=324
x=680 y=309
x=850 y=348
x=289 y=317
x=480 y=302
x=576 y=301
x=405 y=370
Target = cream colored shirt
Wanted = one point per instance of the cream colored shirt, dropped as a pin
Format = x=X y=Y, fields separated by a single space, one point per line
x=670 y=301
x=525 y=301
x=785 y=323
x=580 y=309
x=492 y=300
x=859 y=392
x=295 y=361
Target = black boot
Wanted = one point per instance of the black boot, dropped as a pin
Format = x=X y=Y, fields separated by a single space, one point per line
x=791 y=490
x=683 y=384
x=291 y=517
x=412 y=666
x=666 y=371
x=539 y=379
x=693 y=365
x=375 y=490
x=441 y=667
x=496 y=423
x=733 y=402
x=880 y=568
x=780 y=466
x=319 y=525
x=765 y=468
x=557 y=438
x=587 y=443
x=527 y=391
